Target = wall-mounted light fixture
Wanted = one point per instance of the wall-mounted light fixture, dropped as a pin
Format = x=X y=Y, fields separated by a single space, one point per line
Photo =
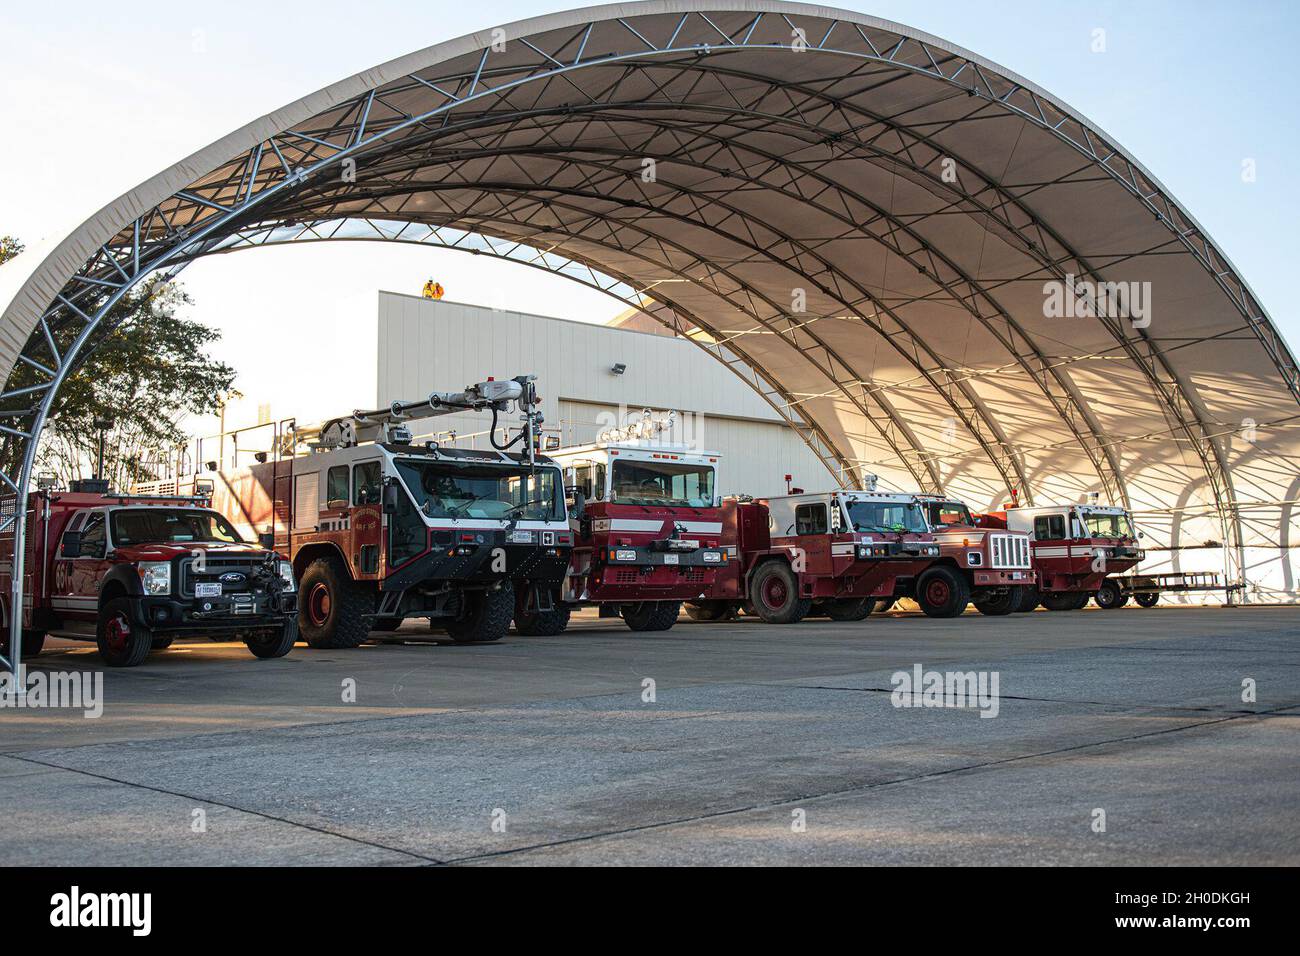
x=618 y=369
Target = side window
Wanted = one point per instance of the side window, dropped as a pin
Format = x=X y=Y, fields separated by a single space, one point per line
x=599 y=482
x=336 y=485
x=93 y=537
x=582 y=479
x=810 y=519
x=1049 y=527
x=365 y=483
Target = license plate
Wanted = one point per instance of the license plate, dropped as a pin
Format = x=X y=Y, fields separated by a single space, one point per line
x=624 y=555
x=672 y=559
x=521 y=537
x=205 y=589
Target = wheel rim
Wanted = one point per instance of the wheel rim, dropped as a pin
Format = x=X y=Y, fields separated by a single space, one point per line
x=117 y=632
x=318 y=605
x=937 y=591
x=774 y=592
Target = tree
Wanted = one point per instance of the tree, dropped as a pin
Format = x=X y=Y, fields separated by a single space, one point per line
x=148 y=371
x=9 y=247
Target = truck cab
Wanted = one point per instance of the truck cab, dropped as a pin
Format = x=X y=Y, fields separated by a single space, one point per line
x=646 y=520
x=1076 y=548
x=831 y=554
x=133 y=573
x=990 y=568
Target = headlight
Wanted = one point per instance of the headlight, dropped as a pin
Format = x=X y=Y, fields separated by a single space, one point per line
x=156 y=577
x=286 y=575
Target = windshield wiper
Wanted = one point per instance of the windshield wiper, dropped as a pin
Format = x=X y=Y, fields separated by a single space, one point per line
x=525 y=504
x=462 y=506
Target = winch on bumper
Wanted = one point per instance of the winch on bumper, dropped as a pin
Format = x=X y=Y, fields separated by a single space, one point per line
x=247 y=610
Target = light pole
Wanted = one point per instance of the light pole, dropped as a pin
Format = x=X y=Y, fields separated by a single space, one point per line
x=104 y=424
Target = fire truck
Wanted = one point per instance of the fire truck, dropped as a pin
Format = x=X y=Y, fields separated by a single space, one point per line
x=989 y=568
x=132 y=573
x=1075 y=549
x=381 y=528
x=647 y=523
x=831 y=554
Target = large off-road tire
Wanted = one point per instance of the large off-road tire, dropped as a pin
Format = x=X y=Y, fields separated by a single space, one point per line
x=848 y=609
x=33 y=643
x=1008 y=602
x=711 y=611
x=485 y=616
x=1061 y=600
x=332 y=606
x=1149 y=599
x=1080 y=601
x=1109 y=595
x=122 y=642
x=275 y=643
x=1029 y=600
x=942 y=591
x=774 y=591
x=541 y=623
x=651 y=615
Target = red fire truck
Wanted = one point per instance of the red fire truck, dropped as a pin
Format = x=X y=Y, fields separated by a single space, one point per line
x=1075 y=548
x=831 y=554
x=991 y=569
x=380 y=528
x=647 y=528
x=132 y=573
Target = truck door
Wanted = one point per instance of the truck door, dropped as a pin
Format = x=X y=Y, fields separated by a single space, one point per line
x=77 y=580
x=367 y=518
x=812 y=527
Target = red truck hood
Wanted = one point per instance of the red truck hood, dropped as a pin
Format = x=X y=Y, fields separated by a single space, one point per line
x=165 y=552
x=639 y=522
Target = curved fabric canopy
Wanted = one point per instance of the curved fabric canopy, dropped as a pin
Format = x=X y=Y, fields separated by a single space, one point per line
x=940 y=274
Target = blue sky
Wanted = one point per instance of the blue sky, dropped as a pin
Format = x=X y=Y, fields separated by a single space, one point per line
x=95 y=99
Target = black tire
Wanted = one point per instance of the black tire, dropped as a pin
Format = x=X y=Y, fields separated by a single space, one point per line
x=1109 y=596
x=849 y=609
x=1061 y=600
x=883 y=605
x=1080 y=601
x=774 y=592
x=385 y=625
x=942 y=592
x=651 y=615
x=711 y=611
x=1029 y=599
x=1008 y=602
x=161 y=643
x=121 y=642
x=276 y=643
x=541 y=623
x=33 y=642
x=485 y=616
x=1144 y=600
x=332 y=607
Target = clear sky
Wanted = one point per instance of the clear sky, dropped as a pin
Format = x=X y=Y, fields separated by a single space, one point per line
x=95 y=98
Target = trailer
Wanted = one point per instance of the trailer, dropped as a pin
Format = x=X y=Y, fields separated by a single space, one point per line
x=830 y=554
x=134 y=572
x=381 y=529
x=1145 y=589
x=646 y=523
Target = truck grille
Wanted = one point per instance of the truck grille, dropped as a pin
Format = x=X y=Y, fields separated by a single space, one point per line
x=214 y=568
x=1009 y=550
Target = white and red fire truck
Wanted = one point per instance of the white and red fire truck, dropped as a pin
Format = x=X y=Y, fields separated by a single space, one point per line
x=381 y=528
x=132 y=573
x=831 y=554
x=992 y=569
x=1076 y=550
x=646 y=519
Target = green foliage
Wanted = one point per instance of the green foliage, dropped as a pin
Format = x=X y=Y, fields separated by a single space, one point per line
x=9 y=247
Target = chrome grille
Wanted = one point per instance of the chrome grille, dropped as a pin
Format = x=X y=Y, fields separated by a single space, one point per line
x=213 y=569
x=1009 y=550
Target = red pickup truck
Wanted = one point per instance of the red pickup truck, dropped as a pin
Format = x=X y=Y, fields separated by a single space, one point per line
x=133 y=572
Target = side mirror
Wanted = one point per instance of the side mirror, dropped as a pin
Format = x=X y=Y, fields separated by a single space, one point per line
x=266 y=540
x=579 y=504
x=72 y=544
x=390 y=498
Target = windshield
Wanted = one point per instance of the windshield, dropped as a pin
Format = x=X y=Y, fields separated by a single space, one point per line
x=443 y=490
x=170 y=526
x=943 y=514
x=901 y=516
x=663 y=483
x=1108 y=526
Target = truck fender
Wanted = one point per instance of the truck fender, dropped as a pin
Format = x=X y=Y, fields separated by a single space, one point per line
x=121 y=580
x=321 y=549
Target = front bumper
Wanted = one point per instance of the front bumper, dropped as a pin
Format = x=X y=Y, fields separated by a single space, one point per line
x=228 y=613
x=476 y=562
x=1002 y=579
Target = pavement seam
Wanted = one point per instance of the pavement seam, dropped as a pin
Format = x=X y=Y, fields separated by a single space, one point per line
x=231 y=806
x=831 y=794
